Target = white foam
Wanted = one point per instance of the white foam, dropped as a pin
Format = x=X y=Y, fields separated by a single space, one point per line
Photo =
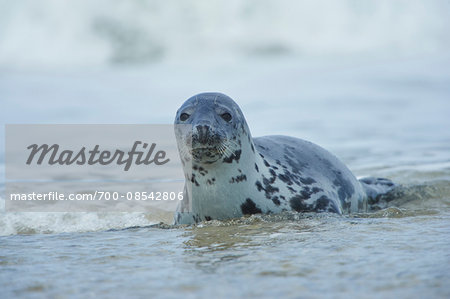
x=12 y=223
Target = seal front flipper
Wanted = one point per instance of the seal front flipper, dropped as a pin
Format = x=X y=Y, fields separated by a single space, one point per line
x=184 y=218
x=183 y=213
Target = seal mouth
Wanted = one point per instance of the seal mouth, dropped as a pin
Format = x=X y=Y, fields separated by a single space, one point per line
x=205 y=150
x=206 y=154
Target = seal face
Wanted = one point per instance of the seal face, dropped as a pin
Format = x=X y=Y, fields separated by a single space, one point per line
x=231 y=174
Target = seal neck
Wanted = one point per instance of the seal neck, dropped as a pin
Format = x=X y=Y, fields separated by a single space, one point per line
x=218 y=190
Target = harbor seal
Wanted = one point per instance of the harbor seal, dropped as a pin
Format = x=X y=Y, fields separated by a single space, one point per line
x=230 y=174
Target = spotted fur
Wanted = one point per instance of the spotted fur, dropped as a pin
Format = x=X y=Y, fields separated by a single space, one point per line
x=233 y=174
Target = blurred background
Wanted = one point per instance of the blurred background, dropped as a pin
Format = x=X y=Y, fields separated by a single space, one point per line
x=354 y=76
x=52 y=34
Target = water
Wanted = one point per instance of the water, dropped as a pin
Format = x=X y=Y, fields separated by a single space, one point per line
x=308 y=257
x=386 y=119
x=381 y=104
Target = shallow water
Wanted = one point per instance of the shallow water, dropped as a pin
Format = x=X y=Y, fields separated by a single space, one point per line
x=308 y=257
x=383 y=118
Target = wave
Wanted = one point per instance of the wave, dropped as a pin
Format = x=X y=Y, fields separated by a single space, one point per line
x=23 y=223
x=404 y=201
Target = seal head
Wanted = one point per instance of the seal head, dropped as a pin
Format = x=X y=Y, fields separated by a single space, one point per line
x=217 y=122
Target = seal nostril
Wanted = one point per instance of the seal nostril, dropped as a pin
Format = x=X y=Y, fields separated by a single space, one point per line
x=203 y=132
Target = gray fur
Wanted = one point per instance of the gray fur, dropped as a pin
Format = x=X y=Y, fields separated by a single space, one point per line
x=234 y=174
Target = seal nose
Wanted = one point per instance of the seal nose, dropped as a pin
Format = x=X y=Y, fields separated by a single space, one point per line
x=203 y=133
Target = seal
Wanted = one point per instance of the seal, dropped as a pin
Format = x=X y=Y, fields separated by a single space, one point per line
x=230 y=174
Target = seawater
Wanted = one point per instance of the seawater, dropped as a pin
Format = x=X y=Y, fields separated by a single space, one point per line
x=385 y=118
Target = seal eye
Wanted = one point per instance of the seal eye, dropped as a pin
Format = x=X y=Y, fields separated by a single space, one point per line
x=226 y=116
x=184 y=116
